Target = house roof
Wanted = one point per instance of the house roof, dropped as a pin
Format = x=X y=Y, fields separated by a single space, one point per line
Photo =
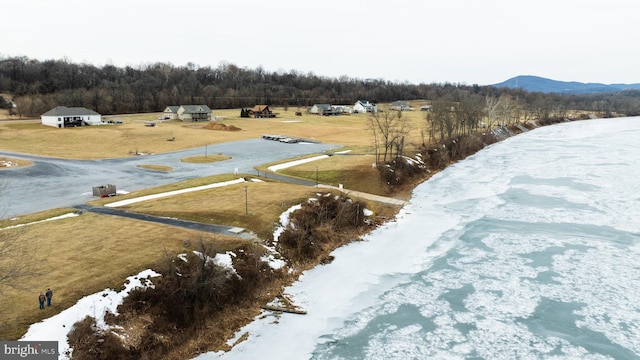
x=323 y=106
x=365 y=103
x=69 y=111
x=398 y=103
x=172 y=108
x=260 y=108
x=190 y=109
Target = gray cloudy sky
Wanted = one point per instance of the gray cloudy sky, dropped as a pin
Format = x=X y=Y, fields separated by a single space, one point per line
x=458 y=41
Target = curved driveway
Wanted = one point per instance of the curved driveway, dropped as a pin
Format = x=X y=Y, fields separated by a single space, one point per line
x=53 y=183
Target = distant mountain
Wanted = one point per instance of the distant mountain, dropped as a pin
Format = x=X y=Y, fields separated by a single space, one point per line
x=540 y=84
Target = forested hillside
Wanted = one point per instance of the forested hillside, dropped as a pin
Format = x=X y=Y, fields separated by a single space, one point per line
x=37 y=86
x=537 y=83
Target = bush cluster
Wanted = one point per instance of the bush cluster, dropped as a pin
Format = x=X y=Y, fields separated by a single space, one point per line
x=192 y=289
x=318 y=226
x=89 y=342
x=399 y=170
x=402 y=170
x=440 y=156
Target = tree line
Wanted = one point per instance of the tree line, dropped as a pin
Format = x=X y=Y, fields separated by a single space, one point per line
x=37 y=86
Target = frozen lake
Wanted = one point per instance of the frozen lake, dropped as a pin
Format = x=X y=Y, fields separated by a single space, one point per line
x=529 y=249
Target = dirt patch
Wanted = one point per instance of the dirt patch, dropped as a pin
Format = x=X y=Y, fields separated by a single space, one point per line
x=6 y=163
x=220 y=126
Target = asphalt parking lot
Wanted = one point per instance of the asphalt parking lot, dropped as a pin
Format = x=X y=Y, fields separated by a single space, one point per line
x=54 y=183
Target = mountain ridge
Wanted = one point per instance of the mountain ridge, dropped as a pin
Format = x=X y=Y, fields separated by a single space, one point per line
x=539 y=84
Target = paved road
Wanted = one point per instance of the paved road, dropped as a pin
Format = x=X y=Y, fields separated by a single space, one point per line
x=54 y=183
x=210 y=228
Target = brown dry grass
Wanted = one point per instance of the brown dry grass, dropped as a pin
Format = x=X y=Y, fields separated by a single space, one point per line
x=92 y=252
x=205 y=159
x=155 y=167
x=86 y=254
x=89 y=253
x=132 y=136
x=354 y=172
x=251 y=205
x=171 y=187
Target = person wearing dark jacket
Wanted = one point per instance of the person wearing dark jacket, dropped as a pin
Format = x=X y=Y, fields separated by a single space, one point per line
x=49 y=295
x=41 y=299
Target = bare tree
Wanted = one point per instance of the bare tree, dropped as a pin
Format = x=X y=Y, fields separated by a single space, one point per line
x=389 y=130
x=442 y=120
x=492 y=109
x=469 y=113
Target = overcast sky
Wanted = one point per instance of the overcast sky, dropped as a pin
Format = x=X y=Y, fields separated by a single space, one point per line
x=458 y=41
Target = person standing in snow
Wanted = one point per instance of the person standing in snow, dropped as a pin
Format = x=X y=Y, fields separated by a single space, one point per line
x=41 y=299
x=49 y=295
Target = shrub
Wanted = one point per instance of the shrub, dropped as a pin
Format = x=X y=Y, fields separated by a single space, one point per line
x=315 y=228
x=89 y=342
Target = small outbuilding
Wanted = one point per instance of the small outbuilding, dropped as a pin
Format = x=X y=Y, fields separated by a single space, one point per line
x=62 y=117
x=104 y=190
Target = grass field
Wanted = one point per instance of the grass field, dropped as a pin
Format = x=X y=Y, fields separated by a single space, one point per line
x=354 y=172
x=85 y=254
x=81 y=255
x=132 y=136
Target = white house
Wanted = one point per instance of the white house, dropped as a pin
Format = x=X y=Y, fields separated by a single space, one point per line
x=364 y=106
x=62 y=116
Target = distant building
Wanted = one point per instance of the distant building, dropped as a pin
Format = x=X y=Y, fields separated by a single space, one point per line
x=187 y=113
x=170 y=112
x=321 y=109
x=400 y=106
x=364 y=106
x=62 y=117
x=194 y=113
x=342 y=109
x=261 y=111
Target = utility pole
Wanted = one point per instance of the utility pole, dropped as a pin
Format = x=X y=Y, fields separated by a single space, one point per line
x=317 y=176
x=246 y=200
